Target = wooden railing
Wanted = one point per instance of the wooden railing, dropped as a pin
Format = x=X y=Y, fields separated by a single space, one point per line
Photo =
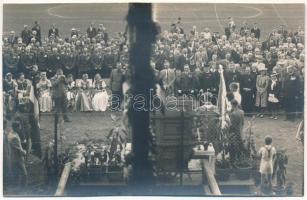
x=207 y=159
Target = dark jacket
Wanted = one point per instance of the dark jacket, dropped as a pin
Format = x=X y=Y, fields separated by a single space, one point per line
x=276 y=90
x=116 y=80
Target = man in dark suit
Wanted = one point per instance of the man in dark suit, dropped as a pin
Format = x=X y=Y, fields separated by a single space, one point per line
x=235 y=132
x=25 y=35
x=291 y=93
x=188 y=82
x=53 y=31
x=116 y=81
x=96 y=61
x=247 y=88
x=256 y=31
x=12 y=39
x=108 y=63
x=59 y=94
x=54 y=62
x=27 y=60
x=168 y=77
x=91 y=31
x=37 y=28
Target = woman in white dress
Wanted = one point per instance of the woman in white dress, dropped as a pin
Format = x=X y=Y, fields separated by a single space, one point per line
x=45 y=100
x=71 y=91
x=83 y=96
x=101 y=97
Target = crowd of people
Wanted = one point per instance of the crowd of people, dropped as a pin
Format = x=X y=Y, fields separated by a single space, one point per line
x=269 y=73
x=84 y=71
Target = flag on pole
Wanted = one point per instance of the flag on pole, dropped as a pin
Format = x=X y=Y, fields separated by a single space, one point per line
x=34 y=122
x=222 y=100
x=33 y=99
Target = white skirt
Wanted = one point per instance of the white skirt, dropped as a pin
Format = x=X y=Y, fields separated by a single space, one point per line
x=45 y=102
x=100 y=101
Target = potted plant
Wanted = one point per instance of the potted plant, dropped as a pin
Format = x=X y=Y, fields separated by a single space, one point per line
x=222 y=169
x=115 y=169
x=244 y=168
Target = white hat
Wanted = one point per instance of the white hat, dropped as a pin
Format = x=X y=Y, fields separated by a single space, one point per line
x=261 y=67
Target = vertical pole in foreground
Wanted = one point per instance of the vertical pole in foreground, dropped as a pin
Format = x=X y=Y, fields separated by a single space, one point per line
x=142 y=32
x=55 y=147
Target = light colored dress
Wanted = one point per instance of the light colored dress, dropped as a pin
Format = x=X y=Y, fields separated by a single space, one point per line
x=71 y=93
x=262 y=84
x=83 y=96
x=45 y=100
x=267 y=154
x=101 y=97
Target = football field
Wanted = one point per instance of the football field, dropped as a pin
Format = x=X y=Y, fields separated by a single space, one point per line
x=213 y=16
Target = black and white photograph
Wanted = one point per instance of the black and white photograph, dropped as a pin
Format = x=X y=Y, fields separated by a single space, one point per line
x=153 y=99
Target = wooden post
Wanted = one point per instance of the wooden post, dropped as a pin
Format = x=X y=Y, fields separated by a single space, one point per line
x=63 y=180
x=211 y=179
x=55 y=147
x=142 y=34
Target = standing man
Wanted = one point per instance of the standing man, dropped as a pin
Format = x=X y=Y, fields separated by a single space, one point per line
x=235 y=130
x=96 y=61
x=188 y=82
x=27 y=60
x=37 y=28
x=26 y=35
x=291 y=93
x=256 y=31
x=91 y=31
x=17 y=158
x=7 y=168
x=54 y=62
x=116 y=81
x=53 y=31
x=59 y=94
x=247 y=88
x=167 y=76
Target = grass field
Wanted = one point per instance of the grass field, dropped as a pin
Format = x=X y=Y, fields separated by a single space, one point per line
x=214 y=16
x=97 y=125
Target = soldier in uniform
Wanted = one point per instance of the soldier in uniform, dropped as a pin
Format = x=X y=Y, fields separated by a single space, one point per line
x=42 y=59
x=69 y=62
x=10 y=62
x=188 y=82
x=96 y=61
x=108 y=64
x=54 y=62
x=27 y=60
